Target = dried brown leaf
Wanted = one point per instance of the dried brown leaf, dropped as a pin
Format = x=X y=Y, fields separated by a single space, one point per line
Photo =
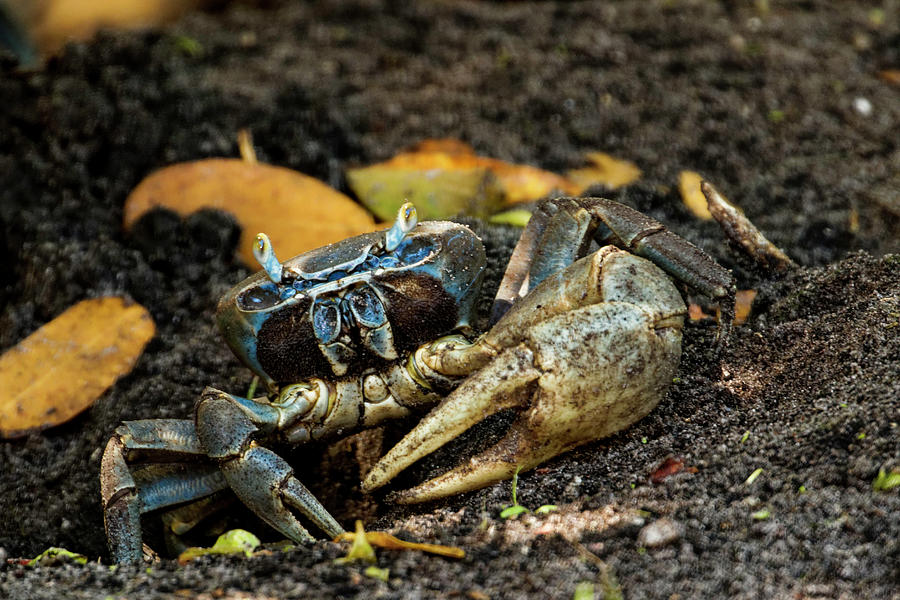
x=445 y=177
x=386 y=540
x=692 y=196
x=297 y=212
x=604 y=170
x=743 y=302
x=63 y=367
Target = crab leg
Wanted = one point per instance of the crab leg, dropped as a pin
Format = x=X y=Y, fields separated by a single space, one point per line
x=552 y=240
x=561 y=229
x=127 y=494
x=227 y=427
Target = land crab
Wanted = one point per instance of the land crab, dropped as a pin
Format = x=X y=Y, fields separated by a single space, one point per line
x=583 y=344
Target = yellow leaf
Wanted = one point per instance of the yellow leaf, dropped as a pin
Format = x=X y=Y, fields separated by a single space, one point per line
x=693 y=198
x=360 y=549
x=63 y=367
x=743 y=302
x=297 y=212
x=59 y=21
x=606 y=170
x=386 y=540
x=363 y=539
x=522 y=183
x=437 y=190
x=445 y=177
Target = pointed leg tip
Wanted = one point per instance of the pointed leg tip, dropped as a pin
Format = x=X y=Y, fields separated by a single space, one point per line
x=373 y=480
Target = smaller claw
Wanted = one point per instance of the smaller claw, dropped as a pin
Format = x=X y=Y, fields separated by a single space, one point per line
x=264 y=481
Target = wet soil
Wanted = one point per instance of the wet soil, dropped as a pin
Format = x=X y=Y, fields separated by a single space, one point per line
x=784 y=110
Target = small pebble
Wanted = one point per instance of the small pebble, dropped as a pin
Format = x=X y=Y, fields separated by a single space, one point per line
x=660 y=532
x=862 y=106
x=3 y=556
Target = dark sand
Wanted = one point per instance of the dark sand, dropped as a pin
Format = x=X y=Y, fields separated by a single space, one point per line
x=784 y=111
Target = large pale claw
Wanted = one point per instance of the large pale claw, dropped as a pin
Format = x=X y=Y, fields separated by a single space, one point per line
x=577 y=377
x=500 y=385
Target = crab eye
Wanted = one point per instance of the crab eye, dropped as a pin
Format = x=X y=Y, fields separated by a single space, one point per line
x=265 y=256
x=415 y=250
x=406 y=221
x=259 y=297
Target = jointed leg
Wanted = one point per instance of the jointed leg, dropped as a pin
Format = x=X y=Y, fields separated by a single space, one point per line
x=560 y=231
x=227 y=428
x=127 y=493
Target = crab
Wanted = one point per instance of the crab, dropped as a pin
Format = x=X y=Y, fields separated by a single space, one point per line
x=584 y=342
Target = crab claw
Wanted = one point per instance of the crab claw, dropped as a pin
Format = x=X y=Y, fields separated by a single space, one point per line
x=575 y=376
x=262 y=480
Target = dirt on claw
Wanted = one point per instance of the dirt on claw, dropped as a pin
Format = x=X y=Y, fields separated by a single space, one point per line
x=782 y=109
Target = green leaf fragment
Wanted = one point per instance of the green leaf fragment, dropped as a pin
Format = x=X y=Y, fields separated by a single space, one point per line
x=361 y=549
x=190 y=46
x=236 y=541
x=517 y=216
x=886 y=481
x=584 y=591
x=376 y=573
x=513 y=511
x=753 y=476
x=761 y=515
x=57 y=553
x=546 y=508
x=745 y=437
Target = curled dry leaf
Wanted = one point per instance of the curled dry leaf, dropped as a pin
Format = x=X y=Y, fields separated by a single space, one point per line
x=445 y=177
x=381 y=539
x=692 y=196
x=604 y=170
x=54 y=23
x=63 y=367
x=669 y=467
x=743 y=304
x=441 y=177
x=891 y=76
x=297 y=212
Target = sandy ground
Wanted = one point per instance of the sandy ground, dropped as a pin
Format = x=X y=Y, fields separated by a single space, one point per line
x=784 y=110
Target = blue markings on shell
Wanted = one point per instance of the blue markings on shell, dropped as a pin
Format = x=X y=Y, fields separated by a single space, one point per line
x=326 y=320
x=367 y=308
x=388 y=262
